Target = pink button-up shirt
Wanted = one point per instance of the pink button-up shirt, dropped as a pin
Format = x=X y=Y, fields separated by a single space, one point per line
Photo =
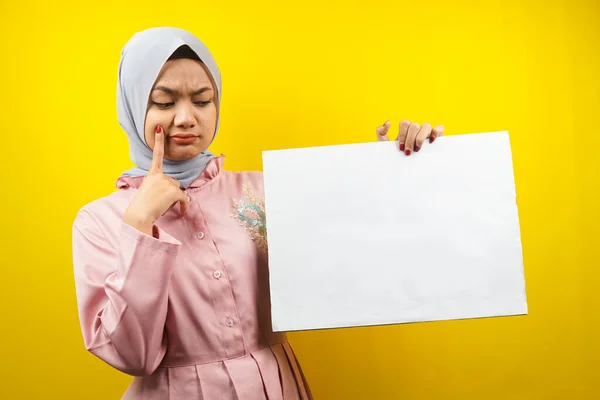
x=187 y=313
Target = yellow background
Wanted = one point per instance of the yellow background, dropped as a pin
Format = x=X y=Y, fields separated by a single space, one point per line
x=317 y=73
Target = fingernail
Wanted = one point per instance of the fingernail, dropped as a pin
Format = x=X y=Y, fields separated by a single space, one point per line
x=431 y=139
x=401 y=146
x=407 y=152
x=158 y=129
x=417 y=148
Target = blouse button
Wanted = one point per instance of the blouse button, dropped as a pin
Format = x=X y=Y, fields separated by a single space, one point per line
x=200 y=235
x=229 y=322
x=217 y=274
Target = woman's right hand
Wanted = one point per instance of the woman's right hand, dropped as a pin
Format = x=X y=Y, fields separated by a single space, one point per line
x=157 y=193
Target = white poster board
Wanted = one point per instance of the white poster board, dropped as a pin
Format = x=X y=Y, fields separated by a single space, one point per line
x=362 y=235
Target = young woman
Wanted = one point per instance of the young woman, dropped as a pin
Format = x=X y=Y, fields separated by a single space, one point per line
x=171 y=268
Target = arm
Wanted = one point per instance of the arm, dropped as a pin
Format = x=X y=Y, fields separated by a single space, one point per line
x=122 y=293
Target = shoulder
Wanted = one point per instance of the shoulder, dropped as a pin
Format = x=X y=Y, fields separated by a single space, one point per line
x=104 y=213
x=246 y=180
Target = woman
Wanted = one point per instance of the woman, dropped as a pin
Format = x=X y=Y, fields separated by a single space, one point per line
x=171 y=268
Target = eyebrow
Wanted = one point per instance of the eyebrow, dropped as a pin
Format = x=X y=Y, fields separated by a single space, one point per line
x=176 y=92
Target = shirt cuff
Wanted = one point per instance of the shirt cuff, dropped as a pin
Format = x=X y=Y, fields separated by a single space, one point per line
x=164 y=242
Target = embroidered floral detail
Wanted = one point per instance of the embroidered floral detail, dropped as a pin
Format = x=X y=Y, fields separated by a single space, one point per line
x=250 y=211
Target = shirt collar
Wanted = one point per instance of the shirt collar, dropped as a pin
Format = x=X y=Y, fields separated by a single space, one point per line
x=212 y=170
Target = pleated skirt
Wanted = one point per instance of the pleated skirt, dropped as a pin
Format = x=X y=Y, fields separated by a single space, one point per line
x=271 y=373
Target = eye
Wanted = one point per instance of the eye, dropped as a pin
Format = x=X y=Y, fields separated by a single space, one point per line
x=203 y=103
x=163 y=105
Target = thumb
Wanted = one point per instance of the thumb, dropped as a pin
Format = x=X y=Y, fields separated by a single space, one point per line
x=382 y=132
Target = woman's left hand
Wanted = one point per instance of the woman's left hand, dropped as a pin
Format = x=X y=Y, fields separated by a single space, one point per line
x=411 y=136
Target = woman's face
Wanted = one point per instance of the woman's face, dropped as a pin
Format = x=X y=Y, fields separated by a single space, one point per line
x=182 y=102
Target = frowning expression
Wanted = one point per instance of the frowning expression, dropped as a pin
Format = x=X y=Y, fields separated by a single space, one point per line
x=183 y=102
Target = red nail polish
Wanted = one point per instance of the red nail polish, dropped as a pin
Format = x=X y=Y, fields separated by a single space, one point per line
x=407 y=152
x=401 y=146
x=417 y=148
x=431 y=139
x=158 y=129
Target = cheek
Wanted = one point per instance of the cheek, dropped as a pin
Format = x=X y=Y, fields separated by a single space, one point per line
x=153 y=119
x=210 y=115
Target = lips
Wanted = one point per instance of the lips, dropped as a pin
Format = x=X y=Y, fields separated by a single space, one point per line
x=183 y=138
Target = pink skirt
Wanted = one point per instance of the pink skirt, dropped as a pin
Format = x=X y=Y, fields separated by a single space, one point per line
x=271 y=373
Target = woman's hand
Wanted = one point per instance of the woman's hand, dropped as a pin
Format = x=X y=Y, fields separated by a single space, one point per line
x=157 y=194
x=411 y=135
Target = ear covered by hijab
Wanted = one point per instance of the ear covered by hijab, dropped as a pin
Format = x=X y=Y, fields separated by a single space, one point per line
x=142 y=59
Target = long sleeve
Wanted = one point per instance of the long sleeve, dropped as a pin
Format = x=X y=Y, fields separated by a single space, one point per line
x=122 y=293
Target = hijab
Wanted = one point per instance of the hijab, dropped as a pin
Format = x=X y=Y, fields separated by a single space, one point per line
x=142 y=59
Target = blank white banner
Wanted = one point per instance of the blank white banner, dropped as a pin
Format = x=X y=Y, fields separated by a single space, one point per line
x=362 y=235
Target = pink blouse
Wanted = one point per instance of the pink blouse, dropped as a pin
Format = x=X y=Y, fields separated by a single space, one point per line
x=187 y=314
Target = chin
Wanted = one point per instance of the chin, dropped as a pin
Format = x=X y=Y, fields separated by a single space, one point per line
x=183 y=153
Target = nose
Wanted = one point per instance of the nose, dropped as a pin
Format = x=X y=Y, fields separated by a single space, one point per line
x=185 y=118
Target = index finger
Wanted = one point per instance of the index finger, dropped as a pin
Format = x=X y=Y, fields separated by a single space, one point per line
x=158 y=151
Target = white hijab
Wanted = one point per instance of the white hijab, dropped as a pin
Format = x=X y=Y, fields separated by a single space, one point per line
x=142 y=58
